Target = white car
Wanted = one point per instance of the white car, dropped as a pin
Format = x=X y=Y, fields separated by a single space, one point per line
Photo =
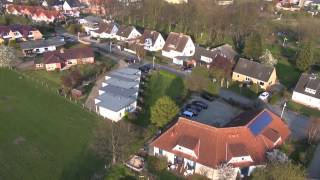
x=264 y=96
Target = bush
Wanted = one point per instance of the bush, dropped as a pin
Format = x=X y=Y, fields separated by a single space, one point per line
x=254 y=88
x=74 y=28
x=156 y=164
x=275 y=98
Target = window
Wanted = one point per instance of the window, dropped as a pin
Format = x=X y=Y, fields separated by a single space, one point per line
x=161 y=152
x=238 y=75
x=248 y=79
x=37 y=50
x=46 y=49
x=261 y=83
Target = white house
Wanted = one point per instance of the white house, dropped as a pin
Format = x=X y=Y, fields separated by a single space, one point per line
x=106 y=31
x=72 y=8
x=178 y=45
x=118 y=94
x=90 y=23
x=199 y=148
x=126 y=33
x=307 y=91
x=40 y=46
x=151 y=40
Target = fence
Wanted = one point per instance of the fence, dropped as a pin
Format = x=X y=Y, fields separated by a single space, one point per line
x=42 y=84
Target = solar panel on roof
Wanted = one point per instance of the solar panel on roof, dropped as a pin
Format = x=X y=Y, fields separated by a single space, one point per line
x=261 y=122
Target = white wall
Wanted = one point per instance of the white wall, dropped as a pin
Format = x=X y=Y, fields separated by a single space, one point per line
x=185 y=150
x=158 y=45
x=306 y=100
x=189 y=50
x=109 y=114
x=240 y=159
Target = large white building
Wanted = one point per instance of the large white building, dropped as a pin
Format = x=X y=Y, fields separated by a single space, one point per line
x=307 y=91
x=195 y=148
x=119 y=94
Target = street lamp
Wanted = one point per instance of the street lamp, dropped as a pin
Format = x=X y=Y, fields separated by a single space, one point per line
x=284 y=106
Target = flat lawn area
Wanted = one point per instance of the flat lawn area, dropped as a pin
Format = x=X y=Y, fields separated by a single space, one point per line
x=287 y=74
x=51 y=78
x=42 y=136
x=160 y=84
x=303 y=109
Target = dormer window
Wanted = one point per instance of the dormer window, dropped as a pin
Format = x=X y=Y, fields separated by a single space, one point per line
x=188 y=145
x=238 y=153
x=311 y=91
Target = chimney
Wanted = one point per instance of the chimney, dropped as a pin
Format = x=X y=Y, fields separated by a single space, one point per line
x=62 y=50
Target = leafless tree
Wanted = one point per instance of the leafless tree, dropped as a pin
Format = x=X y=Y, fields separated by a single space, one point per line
x=314 y=130
x=113 y=141
x=225 y=171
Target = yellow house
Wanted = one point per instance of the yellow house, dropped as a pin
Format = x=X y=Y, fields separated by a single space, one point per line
x=251 y=71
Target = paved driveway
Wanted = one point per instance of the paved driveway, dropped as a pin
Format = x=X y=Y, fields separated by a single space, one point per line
x=216 y=114
x=314 y=168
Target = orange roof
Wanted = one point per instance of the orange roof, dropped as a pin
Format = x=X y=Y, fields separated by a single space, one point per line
x=36 y=10
x=217 y=145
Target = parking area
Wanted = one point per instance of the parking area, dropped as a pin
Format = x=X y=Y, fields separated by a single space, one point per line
x=215 y=114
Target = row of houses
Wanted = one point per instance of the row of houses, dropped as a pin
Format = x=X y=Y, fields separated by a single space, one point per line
x=36 y=13
x=182 y=51
x=68 y=7
x=19 y=33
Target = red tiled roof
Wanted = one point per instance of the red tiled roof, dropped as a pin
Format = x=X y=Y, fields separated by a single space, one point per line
x=33 y=10
x=59 y=56
x=218 y=145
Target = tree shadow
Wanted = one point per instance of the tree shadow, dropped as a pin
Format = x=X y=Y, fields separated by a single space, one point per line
x=83 y=167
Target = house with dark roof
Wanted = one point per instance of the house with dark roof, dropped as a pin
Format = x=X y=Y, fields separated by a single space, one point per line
x=178 y=45
x=222 y=57
x=199 y=148
x=151 y=40
x=118 y=94
x=30 y=48
x=90 y=23
x=248 y=71
x=105 y=31
x=65 y=58
x=19 y=32
x=307 y=90
x=127 y=33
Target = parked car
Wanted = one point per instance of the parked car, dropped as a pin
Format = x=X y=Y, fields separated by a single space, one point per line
x=194 y=107
x=195 y=112
x=264 y=96
x=131 y=60
x=145 y=68
x=207 y=96
x=188 y=114
x=186 y=69
x=201 y=104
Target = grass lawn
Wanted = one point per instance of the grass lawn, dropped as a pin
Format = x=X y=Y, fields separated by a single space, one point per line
x=51 y=78
x=287 y=74
x=303 y=109
x=42 y=136
x=161 y=83
x=244 y=91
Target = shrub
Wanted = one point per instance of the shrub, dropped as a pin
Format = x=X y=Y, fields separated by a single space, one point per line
x=156 y=164
x=255 y=88
x=275 y=98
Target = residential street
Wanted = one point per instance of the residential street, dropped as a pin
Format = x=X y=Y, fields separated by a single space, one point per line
x=314 y=168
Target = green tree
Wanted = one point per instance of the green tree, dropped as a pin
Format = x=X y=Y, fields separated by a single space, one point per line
x=164 y=110
x=305 y=57
x=199 y=79
x=253 y=46
x=280 y=172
